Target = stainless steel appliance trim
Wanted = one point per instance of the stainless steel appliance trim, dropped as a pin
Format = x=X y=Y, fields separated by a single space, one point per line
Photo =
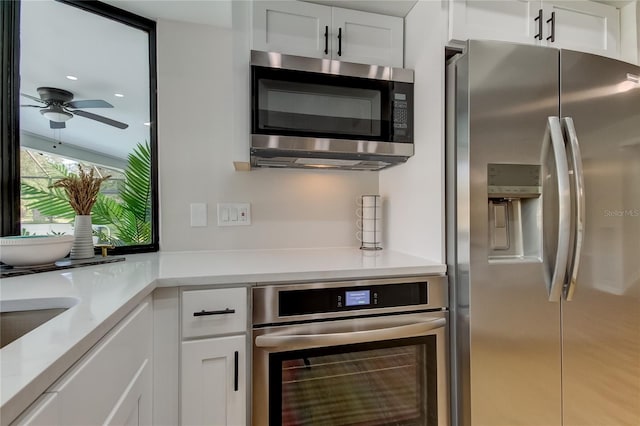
x=329 y=66
x=297 y=341
x=578 y=177
x=554 y=134
x=260 y=407
x=265 y=299
x=337 y=146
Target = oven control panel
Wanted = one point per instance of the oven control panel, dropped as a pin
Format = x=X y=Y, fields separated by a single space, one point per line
x=338 y=299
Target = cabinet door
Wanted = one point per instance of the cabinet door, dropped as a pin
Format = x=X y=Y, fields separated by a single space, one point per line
x=213 y=382
x=504 y=20
x=134 y=405
x=367 y=38
x=45 y=411
x=584 y=26
x=292 y=27
x=92 y=391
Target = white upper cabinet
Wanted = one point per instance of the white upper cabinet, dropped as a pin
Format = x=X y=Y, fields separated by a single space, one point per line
x=367 y=38
x=585 y=26
x=578 y=25
x=513 y=20
x=292 y=27
x=307 y=29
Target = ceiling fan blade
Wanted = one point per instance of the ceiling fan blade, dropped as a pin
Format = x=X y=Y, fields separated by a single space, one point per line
x=33 y=98
x=100 y=118
x=93 y=103
x=35 y=106
x=57 y=124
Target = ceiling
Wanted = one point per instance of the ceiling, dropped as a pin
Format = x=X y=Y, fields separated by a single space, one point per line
x=209 y=12
x=107 y=57
x=398 y=8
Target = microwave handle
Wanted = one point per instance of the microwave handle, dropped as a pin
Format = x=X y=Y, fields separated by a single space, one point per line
x=287 y=341
x=339 y=41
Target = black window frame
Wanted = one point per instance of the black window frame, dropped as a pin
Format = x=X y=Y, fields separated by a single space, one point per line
x=10 y=120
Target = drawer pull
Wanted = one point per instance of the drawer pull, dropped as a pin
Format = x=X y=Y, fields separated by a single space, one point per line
x=204 y=313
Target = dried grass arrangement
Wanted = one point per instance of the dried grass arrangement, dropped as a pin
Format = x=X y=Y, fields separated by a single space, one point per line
x=81 y=189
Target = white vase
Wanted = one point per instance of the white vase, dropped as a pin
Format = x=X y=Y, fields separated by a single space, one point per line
x=82 y=238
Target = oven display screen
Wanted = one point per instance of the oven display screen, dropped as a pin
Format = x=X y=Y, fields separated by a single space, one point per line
x=358 y=298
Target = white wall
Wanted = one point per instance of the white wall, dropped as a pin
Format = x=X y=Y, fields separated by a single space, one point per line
x=290 y=208
x=414 y=192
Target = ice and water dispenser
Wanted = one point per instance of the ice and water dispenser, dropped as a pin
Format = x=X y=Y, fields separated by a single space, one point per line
x=513 y=192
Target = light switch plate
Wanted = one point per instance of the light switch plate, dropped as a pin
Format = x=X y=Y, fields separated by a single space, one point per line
x=198 y=215
x=234 y=214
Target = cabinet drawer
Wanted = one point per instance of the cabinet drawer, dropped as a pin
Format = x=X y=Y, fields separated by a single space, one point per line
x=217 y=311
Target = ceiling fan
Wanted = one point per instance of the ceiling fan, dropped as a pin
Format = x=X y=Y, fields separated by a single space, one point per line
x=58 y=106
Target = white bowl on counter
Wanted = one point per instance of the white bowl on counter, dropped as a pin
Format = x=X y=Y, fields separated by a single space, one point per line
x=34 y=250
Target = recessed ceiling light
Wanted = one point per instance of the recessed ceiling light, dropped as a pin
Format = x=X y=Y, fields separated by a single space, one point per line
x=72 y=77
x=148 y=123
x=118 y=95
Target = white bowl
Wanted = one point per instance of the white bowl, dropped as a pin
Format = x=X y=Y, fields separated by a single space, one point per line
x=34 y=250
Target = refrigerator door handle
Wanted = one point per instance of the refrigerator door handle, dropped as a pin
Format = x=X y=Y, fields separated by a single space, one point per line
x=576 y=159
x=555 y=138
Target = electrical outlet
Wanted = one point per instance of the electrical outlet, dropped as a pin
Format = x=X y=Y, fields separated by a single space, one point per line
x=234 y=214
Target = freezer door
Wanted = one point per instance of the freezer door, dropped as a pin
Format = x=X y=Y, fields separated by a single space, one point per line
x=507 y=332
x=601 y=323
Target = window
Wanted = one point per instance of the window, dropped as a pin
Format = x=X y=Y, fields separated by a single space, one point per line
x=96 y=71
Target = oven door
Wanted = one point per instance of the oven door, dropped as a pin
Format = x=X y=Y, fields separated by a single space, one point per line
x=389 y=370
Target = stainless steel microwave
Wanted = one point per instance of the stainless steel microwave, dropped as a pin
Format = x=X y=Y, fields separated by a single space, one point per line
x=320 y=113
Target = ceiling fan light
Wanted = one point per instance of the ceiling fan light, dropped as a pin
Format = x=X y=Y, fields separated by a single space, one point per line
x=56 y=114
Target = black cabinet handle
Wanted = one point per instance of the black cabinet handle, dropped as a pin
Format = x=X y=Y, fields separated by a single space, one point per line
x=339 y=41
x=204 y=313
x=539 y=19
x=235 y=371
x=552 y=37
x=326 y=39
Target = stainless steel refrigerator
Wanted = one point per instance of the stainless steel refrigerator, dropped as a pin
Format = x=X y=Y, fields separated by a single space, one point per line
x=543 y=232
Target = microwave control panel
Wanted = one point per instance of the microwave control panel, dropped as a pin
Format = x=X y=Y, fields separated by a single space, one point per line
x=401 y=112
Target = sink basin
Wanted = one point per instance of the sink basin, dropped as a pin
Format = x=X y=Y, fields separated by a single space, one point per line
x=18 y=317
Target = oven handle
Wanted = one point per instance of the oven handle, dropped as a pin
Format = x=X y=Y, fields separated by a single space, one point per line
x=335 y=339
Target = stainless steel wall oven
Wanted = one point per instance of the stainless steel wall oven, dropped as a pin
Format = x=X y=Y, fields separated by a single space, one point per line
x=370 y=352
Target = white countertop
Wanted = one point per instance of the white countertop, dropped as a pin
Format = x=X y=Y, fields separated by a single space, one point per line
x=106 y=293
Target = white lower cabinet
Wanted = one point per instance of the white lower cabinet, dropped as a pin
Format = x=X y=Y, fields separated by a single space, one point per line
x=110 y=385
x=213 y=381
x=134 y=406
x=45 y=411
x=213 y=359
